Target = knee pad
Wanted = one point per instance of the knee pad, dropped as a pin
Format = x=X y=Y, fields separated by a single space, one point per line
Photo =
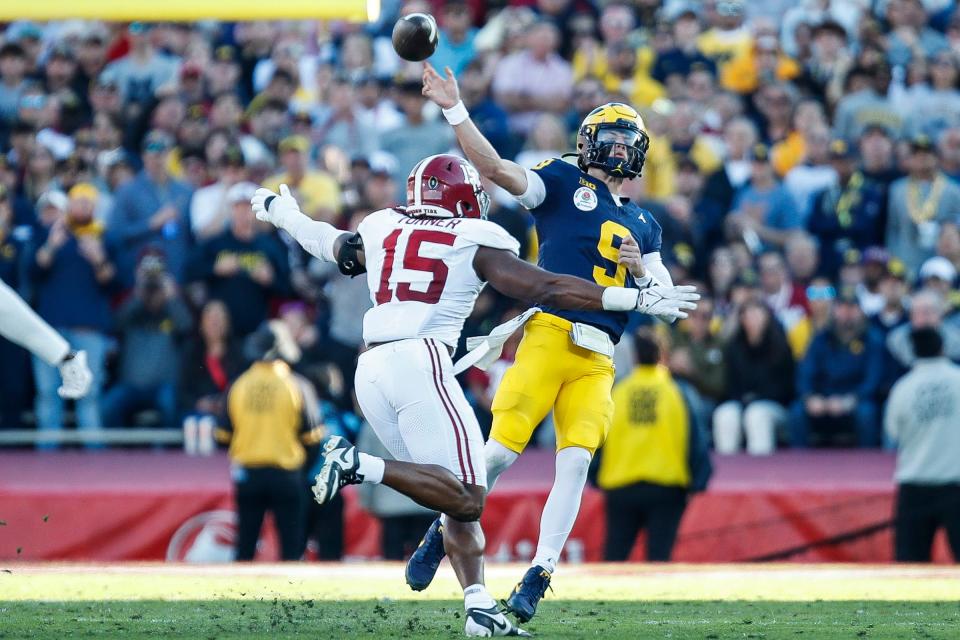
x=573 y=463
x=498 y=457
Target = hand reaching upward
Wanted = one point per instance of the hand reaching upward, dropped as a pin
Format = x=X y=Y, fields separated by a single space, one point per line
x=443 y=91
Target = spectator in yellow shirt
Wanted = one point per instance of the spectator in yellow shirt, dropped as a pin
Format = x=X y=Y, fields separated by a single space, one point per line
x=621 y=67
x=728 y=36
x=762 y=63
x=590 y=58
x=789 y=152
x=681 y=139
x=654 y=457
x=316 y=191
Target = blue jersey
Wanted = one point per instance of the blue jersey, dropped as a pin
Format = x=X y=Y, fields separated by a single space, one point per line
x=580 y=227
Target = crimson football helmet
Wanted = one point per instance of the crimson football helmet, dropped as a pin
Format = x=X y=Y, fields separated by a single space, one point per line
x=446 y=186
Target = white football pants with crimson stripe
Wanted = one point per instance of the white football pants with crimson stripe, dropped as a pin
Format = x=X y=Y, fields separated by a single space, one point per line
x=410 y=397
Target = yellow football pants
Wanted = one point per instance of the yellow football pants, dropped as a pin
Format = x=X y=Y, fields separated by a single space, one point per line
x=551 y=372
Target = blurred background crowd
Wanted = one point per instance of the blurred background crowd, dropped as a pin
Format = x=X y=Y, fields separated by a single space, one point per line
x=804 y=164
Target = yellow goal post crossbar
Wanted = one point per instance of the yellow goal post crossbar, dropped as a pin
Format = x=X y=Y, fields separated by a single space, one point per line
x=190 y=10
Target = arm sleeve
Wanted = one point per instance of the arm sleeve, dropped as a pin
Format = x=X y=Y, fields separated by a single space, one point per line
x=317 y=238
x=22 y=325
x=536 y=191
x=546 y=184
x=653 y=263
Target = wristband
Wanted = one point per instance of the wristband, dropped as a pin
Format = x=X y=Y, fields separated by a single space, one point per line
x=620 y=299
x=645 y=281
x=456 y=114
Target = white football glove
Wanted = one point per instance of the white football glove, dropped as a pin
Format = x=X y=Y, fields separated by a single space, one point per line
x=277 y=209
x=76 y=375
x=668 y=303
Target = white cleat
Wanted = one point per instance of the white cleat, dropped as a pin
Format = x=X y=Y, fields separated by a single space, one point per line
x=489 y=623
x=340 y=463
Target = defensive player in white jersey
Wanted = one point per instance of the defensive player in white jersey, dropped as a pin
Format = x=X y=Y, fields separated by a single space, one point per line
x=425 y=264
x=20 y=324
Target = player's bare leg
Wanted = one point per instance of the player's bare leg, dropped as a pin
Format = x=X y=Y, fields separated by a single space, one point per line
x=437 y=488
x=464 y=543
x=423 y=564
x=429 y=485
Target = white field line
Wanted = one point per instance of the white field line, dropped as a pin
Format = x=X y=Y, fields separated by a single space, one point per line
x=366 y=570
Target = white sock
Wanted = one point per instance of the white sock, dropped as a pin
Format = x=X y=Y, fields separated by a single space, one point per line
x=476 y=596
x=498 y=459
x=563 y=504
x=371 y=468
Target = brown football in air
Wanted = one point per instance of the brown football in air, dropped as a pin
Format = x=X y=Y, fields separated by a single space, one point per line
x=415 y=36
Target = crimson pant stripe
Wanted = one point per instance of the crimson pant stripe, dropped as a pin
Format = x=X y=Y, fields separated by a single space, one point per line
x=453 y=407
x=436 y=383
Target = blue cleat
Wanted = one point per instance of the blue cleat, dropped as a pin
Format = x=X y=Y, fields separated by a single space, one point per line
x=423 y=564
x=527 y=594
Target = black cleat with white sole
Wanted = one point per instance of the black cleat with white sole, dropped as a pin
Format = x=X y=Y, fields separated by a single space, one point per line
x=490 y=623
x=341 y=460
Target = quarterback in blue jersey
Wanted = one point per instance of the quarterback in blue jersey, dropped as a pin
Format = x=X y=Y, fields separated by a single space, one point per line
x=564 y=362
x=581 y=226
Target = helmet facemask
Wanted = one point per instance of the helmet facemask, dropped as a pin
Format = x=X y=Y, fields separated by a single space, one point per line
x=483 y=198
x=619 y=149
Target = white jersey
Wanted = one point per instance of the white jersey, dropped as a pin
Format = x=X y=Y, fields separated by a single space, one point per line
x=420 y=273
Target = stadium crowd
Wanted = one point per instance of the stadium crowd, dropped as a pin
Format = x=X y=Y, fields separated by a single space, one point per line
x=804 y=165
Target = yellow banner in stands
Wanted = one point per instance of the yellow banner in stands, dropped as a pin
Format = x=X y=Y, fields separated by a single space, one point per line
x=189 y=10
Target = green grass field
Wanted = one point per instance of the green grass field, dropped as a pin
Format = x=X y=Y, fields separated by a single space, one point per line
x=371 y=601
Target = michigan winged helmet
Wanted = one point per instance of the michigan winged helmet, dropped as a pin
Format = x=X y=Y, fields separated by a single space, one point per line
x=607 y=126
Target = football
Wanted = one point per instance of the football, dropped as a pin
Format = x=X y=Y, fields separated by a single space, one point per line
x=415 y=36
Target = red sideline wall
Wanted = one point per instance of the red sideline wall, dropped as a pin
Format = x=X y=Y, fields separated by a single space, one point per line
x=148 y=506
